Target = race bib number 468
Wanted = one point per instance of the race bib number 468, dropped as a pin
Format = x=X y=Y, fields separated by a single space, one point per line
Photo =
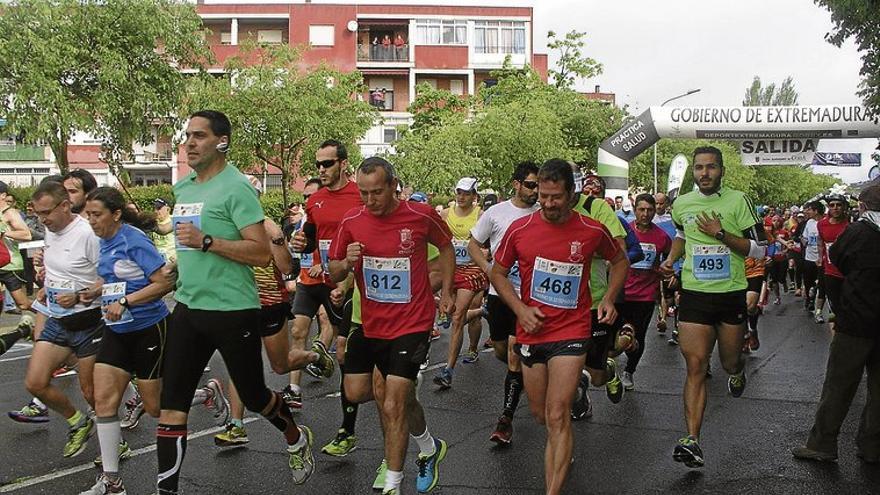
x=556 y=283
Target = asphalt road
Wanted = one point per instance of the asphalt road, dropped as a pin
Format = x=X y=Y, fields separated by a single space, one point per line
x=624 y=448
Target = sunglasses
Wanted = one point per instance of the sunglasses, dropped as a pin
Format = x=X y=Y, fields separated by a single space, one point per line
x=325 y=163
x=529 y=184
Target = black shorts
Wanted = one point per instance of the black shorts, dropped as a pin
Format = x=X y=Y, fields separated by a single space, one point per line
x=833 y=285
x=755 y=284
x=502 y=320
x=272 y=318
x=401 y=356
x=532 y=354
x=712 y=309
x=346 y=325
x=139 y=353
x=12 y=280
x=196 y=335
x=665 y=291
x=309 y=298
x=602 y=336
x=83 y=342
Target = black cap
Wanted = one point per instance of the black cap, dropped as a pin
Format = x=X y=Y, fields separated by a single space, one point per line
x=159 y=203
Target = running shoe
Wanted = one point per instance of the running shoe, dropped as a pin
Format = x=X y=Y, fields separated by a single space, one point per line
x=424 y=366
x=582 y=406
x=818 y=317
x=627 y=381
x=26 y=325
x=736 y=384
x=78 y=438
x=342 y=445
x=613 y=387
x=391 y=491
x=301 y=460
x=754 y=343
x=293 y=399
x=808 y=454
x=64 y=371
x=31 y=413
x=429 y=467
x=443 y=378
x=673 y=340
x=325 y=364
x=487 y=344
x=124 y=453
x=435 y=333
x=471 y=357
x=661 y=326
x=233 y=436
x=503 y=431
x=381 y=471
x=777 y=302
x=103 y=486
x=688 y=451
x=134 y=409
x=217 y=401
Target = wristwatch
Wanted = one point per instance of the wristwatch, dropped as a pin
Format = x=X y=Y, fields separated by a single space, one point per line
x=207 y=241
x=123 y=301
x=278 y=241
x=720 y=235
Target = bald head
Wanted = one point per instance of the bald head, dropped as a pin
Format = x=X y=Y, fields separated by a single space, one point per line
x=662 y=203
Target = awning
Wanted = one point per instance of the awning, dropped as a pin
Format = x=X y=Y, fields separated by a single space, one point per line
x=385 y=72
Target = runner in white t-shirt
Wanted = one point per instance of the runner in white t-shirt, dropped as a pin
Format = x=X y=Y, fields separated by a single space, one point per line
x=813 y=291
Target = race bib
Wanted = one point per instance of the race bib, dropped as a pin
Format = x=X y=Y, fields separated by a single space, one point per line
x=387 y=280
x=513 y=276
x=306 y=260
x=650 y=251
x=324 y=248
x=187 y=213
x=556 y=284
x=54 y=288
x=110 y=294
x=462 y=256
x=813 y=240
x=711 y=262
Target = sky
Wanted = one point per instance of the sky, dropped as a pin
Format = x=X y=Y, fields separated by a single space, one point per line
x=653 y=50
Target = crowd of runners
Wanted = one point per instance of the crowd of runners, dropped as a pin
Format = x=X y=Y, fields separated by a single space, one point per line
x=570 y=283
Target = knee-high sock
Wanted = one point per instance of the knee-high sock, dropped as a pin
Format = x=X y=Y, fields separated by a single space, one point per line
x=109 y=436
x=349 y=410
x=170 y=450
x=282 y=419
x=513 y=386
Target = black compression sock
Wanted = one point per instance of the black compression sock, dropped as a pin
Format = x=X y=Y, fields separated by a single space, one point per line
x=170 y=450
x=282 y=419
x=349 y=411
x=513 y=386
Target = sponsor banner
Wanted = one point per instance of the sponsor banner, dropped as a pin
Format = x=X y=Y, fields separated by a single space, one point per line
x=831 y=159
x=677 y=170
x=777 y=151
x=634 y=137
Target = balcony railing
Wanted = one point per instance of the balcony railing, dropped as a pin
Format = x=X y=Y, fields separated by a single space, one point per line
x=383 y=53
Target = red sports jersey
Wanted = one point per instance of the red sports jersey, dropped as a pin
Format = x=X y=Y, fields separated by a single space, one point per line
x=325 y=210
x=643 y=281
x=828 y=234
x=554 y=265
x=392 y=274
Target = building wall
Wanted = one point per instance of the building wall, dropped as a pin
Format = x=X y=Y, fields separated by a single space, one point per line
x=342 y=54
x=441 y=57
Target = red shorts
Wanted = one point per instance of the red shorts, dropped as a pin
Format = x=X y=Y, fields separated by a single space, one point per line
x=470 y=277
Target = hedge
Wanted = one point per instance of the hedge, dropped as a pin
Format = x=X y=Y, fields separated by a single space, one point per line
x=143 y=196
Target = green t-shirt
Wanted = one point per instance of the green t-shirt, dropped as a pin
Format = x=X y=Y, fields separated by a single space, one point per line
x=433 y=253
x=221 y=207
x=601 y=212
x=709 y=265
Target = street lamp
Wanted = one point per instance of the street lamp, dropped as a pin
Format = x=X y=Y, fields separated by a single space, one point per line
x=690 y=92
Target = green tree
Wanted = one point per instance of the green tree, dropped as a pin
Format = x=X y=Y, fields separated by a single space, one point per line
x=860 y=21
x=572 y=64
x=281 y=113
x=105 y=67
x=758 y=95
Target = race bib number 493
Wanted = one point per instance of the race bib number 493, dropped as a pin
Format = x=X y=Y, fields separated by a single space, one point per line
x=711 y=262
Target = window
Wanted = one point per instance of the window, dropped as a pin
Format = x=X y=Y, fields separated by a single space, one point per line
x=225 y=38
x=270 y=36
x=322 y=35
x=441 y=32
x=429 y=82
x=456 y=86
x=499 y=37
x=390 y=135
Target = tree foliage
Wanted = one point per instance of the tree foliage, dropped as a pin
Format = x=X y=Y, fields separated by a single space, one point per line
x=109 y=68
x=281 y=113
x=572 y=64
x=859 y=21
x=758 y=95
x=520 y=118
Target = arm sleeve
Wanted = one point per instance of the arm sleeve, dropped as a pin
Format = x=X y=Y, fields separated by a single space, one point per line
x=244 y=206
x=311 y=232
x=633 y=248
x=748 y=222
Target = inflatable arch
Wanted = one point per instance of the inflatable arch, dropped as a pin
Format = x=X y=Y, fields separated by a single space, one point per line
x=734 y=123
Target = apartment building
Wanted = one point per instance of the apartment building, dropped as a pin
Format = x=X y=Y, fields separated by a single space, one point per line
x=396 y=47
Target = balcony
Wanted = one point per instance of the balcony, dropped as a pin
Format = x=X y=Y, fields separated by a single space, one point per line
x=384 y=45
x=382 y=53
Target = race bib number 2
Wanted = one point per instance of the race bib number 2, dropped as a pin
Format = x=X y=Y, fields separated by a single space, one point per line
x=650 y=251
x=711 y=262
x=556 y=283
x=186 y=213
x=387 y=280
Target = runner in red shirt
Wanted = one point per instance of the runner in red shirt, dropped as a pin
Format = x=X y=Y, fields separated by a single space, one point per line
x=643 y=282
x=554 y=248
x=324 y=211
x=830 y=228
x=385 y=244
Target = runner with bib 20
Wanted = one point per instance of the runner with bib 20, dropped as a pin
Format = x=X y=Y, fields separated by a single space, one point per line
x=716 y=229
